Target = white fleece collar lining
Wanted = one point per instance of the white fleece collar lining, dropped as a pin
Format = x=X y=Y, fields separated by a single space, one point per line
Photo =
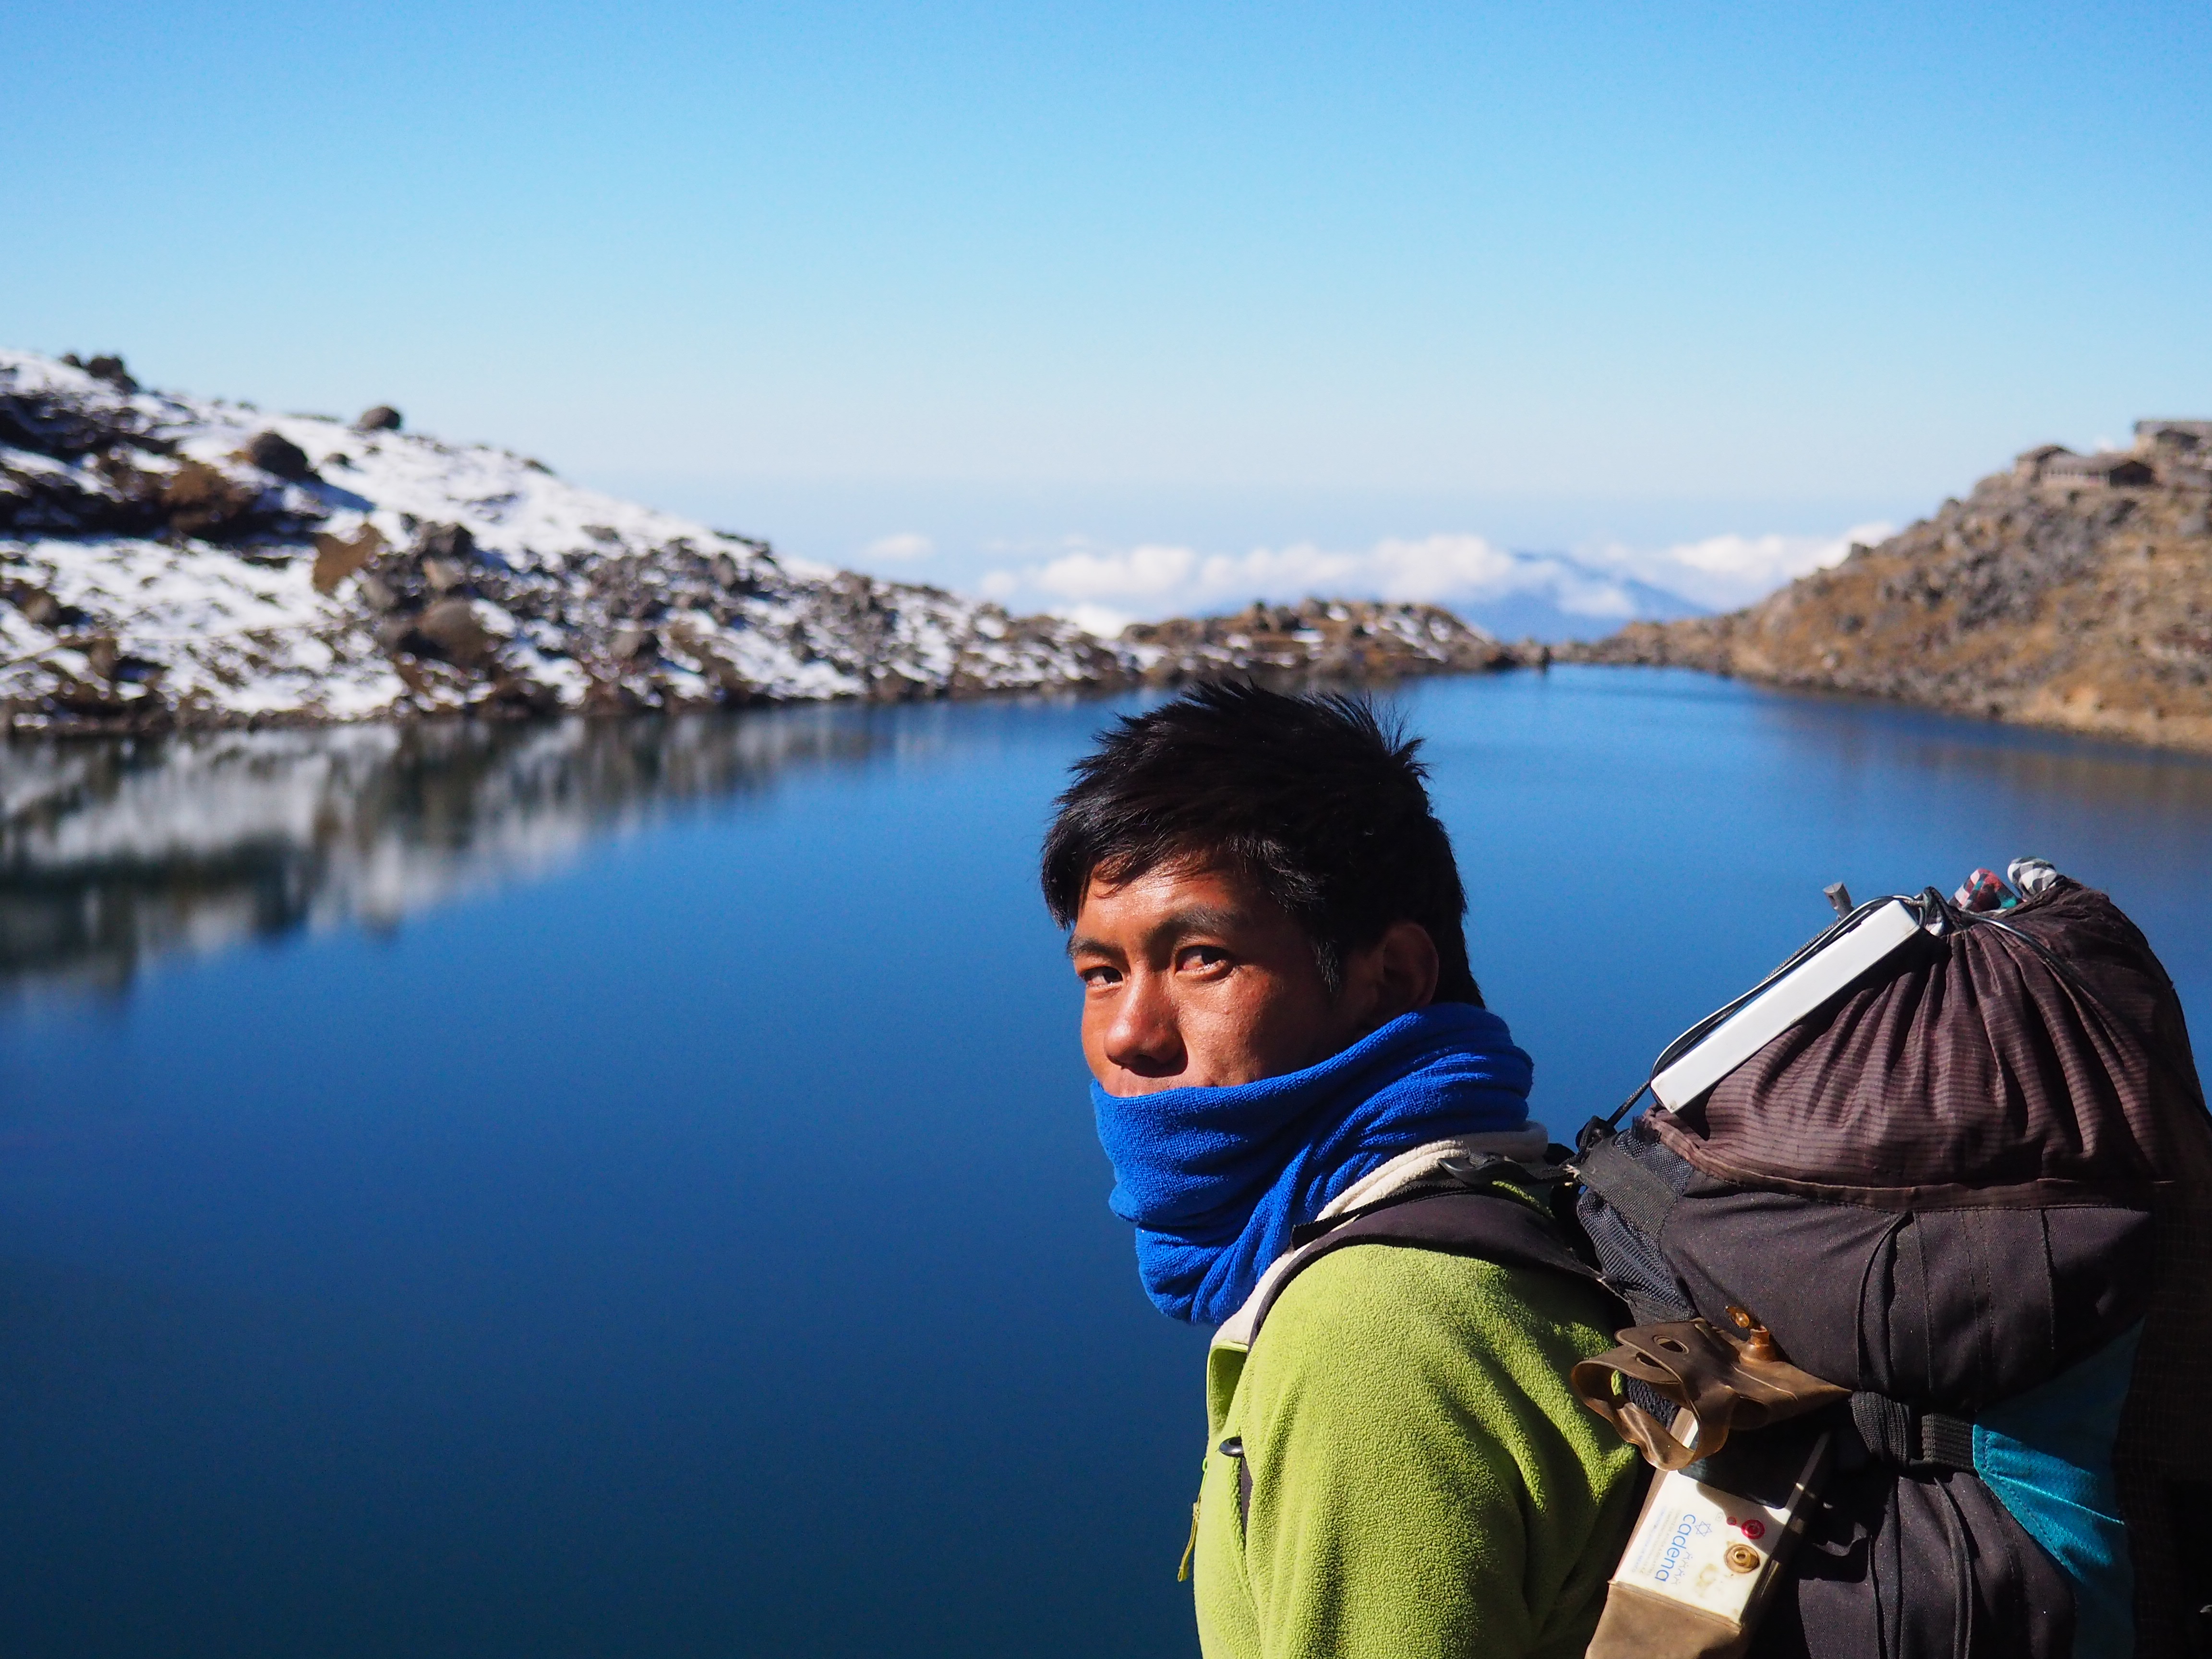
x=1527 y=1141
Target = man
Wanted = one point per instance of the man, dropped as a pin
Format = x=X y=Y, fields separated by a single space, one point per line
x=1280 y=1016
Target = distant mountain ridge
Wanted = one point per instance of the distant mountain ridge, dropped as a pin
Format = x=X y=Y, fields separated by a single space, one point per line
x=1557 y=582
x=2068 y=591
x=169 y=561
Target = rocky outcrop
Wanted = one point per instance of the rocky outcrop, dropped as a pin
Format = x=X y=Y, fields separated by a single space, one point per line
x=2068 y=592
x=1325 y=639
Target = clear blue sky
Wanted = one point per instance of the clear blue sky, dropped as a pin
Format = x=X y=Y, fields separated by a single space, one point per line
x=1724 y=268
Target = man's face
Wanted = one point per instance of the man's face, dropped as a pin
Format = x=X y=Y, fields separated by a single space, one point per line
x=1192 y=976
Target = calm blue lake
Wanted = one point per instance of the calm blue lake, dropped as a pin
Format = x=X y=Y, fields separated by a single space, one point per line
x=629 y=1189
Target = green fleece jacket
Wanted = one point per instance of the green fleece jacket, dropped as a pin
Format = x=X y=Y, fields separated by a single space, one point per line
x=1422 y=1483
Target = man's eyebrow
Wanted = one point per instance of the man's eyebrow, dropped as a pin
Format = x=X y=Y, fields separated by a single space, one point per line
x=1191 y=919
x=1195 y=919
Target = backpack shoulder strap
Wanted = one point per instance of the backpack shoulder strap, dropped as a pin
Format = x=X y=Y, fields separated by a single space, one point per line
x=1485 y=1223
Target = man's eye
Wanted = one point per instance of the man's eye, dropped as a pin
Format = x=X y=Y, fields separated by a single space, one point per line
x=1096 y=977
x=1202 y=957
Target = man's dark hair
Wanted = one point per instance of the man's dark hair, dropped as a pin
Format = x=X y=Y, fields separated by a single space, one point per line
x=1313 y=799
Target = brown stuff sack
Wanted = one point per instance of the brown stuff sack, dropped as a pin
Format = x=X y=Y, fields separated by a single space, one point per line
x=1982 y=1163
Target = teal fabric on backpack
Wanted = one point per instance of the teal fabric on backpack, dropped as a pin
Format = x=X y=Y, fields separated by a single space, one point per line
x=2047 y=1454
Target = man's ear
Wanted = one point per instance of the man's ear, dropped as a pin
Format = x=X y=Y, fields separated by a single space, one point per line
x=1394 y=975
x=1409 y=969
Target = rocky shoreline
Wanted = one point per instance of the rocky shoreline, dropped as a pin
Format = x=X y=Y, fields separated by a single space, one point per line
x=2069 y=591
x=168 y=562
x=171 y=564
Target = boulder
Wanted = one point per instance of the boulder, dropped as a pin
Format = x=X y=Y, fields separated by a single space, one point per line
x=41 y=608
x=450 y=542
x=452 y=627
x=337 y=558
x=382 y=418
x=274 y=453
x=109 y=368
x=107 y=660
x=199 y=499
x=516 y=695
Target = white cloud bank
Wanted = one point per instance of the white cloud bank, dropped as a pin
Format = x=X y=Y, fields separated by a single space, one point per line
x=905 y=546
x=1722 y=572
x=1590 y=591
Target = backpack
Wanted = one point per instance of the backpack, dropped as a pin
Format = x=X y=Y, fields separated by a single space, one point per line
x=1922 y=1286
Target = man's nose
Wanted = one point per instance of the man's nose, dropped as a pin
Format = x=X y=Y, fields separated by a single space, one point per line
x=1145 y=1036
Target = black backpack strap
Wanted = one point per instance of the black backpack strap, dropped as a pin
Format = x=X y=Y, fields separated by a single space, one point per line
x=1485 y=1222
x=1904 y=1437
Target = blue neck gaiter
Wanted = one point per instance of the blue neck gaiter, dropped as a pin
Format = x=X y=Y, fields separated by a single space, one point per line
x=1214 y=1179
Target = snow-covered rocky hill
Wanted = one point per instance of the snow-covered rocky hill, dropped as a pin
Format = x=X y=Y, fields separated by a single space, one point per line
x=169 y=561
x=207 y=559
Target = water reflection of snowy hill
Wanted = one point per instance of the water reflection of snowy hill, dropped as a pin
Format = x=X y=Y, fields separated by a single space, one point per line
x=114 y=853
